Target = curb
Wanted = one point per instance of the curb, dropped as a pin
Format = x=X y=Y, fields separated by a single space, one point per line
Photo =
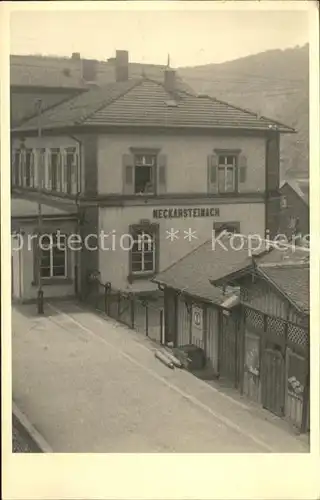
x=39 y=442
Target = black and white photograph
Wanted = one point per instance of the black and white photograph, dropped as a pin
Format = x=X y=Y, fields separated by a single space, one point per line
x=160 y=230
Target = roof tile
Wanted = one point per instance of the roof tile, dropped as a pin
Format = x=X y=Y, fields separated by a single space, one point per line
x=193 y=273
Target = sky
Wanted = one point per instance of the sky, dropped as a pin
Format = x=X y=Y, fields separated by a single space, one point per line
x=191 y=38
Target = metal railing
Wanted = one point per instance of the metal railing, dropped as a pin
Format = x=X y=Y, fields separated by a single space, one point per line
x=144 y=315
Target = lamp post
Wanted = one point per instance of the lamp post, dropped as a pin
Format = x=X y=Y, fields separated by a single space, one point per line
x=40 y=177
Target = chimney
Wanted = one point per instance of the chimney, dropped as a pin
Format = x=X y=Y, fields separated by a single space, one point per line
x=76 y=55
x=169 y=80
x=122 y=65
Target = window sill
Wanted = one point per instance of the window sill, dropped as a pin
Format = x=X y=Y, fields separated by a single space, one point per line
x=53 y=281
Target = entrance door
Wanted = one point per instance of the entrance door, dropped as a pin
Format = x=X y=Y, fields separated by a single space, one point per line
x=273 y=381
x=228 y=349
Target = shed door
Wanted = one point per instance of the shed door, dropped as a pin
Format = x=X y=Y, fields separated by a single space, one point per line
x=212 y=337
x=273 y=381
x=170 y=303
x=295 y=381
x=228 y=350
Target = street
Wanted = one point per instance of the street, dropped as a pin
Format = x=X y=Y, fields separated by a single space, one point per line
x=88 y=384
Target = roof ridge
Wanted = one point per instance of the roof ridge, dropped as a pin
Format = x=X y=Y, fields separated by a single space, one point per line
x=133 y=83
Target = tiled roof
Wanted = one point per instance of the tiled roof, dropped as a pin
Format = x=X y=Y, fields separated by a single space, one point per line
x=193 y=273
x=293 y=281
x=287 y=270
x=300 y=186
x=66 y=72
x=144 y=102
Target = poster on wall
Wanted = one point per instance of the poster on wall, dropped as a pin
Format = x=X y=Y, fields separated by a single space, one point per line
x=197 y=317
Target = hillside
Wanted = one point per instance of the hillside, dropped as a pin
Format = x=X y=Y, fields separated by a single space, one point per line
x=273 y=83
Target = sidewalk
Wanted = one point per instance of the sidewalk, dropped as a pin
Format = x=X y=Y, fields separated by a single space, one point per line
x=88 y=384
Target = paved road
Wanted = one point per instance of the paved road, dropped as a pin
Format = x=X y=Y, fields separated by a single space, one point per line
x=90 y=385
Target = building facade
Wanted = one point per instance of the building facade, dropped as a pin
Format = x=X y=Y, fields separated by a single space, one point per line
x=295 y=211
x=151 y=170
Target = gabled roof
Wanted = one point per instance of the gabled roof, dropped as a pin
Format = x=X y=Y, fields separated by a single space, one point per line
x=292 y=281
x=300 y=187
x=286 y=270
x=145 y=102
x=66 y=72
x=193 y=272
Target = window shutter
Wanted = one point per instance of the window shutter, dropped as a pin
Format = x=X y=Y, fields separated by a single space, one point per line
x=162 y=174
x=212 y=173
x=242 y=168
x=128 y=174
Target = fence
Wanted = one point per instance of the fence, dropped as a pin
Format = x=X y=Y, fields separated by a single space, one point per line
x=144 y=315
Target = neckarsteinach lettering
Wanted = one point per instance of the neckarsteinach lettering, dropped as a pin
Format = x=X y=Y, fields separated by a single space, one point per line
x=179 y=213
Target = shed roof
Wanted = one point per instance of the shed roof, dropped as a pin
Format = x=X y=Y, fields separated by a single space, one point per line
x=193 y=272
x=144 y=102
x=292 y=281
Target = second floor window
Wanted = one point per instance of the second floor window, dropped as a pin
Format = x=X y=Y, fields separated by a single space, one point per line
x=144 y=174
x=227 y=173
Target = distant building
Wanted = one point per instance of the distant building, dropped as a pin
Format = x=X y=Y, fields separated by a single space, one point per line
x=295 y=211
x=144 y=158
x=56 y=79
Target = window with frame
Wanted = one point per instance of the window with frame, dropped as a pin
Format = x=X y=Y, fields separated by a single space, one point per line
x=70 y=173
x=55 y=169
x=144 y=173
x=16 y=167
x=143 y=252
x=53 y=257
x=29 y=168
x=41 y=167
x=227 y=173
x=284 y=201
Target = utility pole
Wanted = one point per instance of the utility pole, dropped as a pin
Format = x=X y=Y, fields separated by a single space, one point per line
x=40 y=180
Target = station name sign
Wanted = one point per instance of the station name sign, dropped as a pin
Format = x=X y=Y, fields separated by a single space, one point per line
x=183 y=213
